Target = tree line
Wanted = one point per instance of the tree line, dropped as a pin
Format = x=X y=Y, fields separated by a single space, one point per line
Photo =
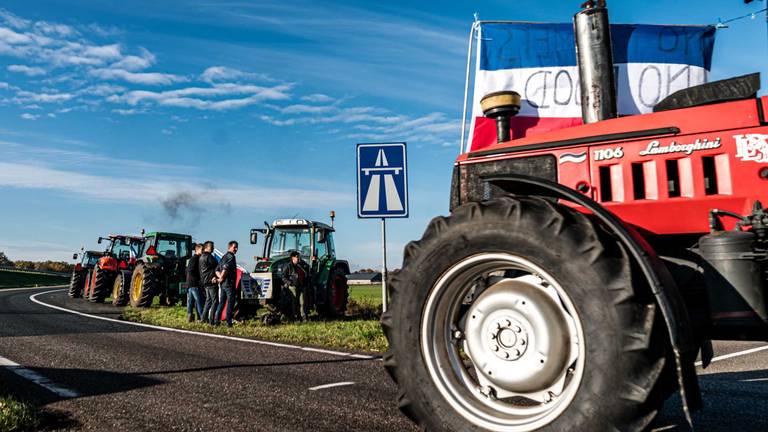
x=54 y=266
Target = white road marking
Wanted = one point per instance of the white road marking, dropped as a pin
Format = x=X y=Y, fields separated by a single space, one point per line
x=338 y=384
x=36 y=378
x=33 y=297
x=736 y=354
x=2 y=290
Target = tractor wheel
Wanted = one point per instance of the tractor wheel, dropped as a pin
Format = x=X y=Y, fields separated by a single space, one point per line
x=336 y=296
x=102 y=283
x=143 y=286
x=519 y=314
x=76 y=284
x=88 y=287
x=120 y=289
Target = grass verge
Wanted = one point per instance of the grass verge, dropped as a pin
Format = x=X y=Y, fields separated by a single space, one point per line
x=17 y=416
x=13 y=278
x=360 y=331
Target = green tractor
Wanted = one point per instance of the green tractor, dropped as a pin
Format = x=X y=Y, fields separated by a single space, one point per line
x=314 y=241
x=161 y=269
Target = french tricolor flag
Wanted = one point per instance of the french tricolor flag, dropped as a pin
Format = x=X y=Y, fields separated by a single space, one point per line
x=539 y=62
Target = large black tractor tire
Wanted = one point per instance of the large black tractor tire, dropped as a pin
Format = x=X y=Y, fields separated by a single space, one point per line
x=76 y=284
x=102 y=285
x=144 y=285
x=336 y=295
x=627 y=370
x=120 y=289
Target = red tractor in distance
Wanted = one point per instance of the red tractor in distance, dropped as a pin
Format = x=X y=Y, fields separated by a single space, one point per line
x=112 y=273
x=81 y=273
x=575 y=294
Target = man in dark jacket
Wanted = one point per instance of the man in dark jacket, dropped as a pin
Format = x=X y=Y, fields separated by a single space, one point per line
x=193 y=285
x=295 y=286
x=227 y=275
x=208 y=280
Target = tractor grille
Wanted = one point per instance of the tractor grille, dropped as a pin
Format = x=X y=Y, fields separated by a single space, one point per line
x=469 y=180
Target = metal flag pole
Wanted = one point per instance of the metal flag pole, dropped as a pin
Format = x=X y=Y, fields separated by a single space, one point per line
x=384 y=295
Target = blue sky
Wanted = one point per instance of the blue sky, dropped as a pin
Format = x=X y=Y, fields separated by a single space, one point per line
x=209 y=117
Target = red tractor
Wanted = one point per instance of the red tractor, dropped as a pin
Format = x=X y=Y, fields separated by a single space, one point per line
x=112 y=273
x=577 y=296
x=81 y=273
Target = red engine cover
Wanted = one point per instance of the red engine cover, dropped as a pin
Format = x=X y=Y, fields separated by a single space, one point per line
x=713 y=156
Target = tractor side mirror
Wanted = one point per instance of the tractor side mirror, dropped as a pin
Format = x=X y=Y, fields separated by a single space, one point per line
x=99 y=240
x=321 y=236
x=254 y=236
x=74 y=256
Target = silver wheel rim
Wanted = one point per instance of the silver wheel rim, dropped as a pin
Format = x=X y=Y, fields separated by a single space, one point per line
x=503 y=342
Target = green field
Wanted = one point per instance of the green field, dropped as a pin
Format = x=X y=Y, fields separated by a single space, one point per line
x=19 y=278
x=359 y=331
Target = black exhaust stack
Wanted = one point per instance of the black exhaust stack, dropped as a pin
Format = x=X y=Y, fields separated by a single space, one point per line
x=594 y=54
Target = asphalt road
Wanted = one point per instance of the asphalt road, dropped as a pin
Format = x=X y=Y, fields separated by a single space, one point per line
x=134 y=378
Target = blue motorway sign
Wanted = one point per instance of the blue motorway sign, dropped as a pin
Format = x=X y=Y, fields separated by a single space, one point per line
x=382 y=181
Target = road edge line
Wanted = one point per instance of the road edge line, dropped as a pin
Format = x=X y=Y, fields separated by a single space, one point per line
x=736 y=354
x=36 y=378
x=192 y=332
x=332 y=385
x=2 y=290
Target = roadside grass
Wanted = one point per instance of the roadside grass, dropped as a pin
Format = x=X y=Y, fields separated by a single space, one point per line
x=17 y=416
x=14 y=278
x=359 y=330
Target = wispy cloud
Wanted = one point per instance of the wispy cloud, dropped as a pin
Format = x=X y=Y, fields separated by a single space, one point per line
x=27 y=70
x=224 y=73
x=218 y=97
x=148 y=78
x=317 y=97
x=29 y=116
x=158 y=189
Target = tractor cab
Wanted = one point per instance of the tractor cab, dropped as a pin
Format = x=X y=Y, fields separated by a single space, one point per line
x=124 y=249
x=159 y=247
x=88 y=259
x=314 y=242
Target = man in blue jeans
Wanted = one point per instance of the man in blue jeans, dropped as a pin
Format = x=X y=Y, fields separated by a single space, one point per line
x=193 y=285
x=227 y=275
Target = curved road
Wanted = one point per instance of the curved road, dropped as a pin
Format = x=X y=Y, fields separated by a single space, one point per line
x=134 y=378
x=107 y=375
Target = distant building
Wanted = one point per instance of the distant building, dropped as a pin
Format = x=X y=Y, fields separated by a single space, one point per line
x=364 y=278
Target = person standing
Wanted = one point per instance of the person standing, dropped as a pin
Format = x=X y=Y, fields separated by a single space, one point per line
x=193 y=285
x=295 y=280
x=226 y=273
x=209 y=282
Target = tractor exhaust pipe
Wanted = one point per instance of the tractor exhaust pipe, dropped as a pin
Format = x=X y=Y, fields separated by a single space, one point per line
x=594 y=54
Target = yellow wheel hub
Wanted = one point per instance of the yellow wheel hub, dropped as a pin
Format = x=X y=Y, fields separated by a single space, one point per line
x=116 y=287
x=138 y=280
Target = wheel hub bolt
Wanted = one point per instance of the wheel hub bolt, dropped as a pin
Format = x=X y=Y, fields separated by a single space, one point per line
x=508 y=339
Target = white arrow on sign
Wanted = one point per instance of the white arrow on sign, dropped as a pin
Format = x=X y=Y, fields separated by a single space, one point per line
x=382 y=169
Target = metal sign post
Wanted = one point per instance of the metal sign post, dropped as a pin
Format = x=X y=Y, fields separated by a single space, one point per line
x=384 y=295
x=382 y=191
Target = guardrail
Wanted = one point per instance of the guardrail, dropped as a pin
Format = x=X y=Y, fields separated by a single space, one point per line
x=46 y=272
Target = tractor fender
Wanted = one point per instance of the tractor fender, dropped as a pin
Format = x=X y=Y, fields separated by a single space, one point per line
x=660 y=281
x=108 y=263
x=343 y=264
